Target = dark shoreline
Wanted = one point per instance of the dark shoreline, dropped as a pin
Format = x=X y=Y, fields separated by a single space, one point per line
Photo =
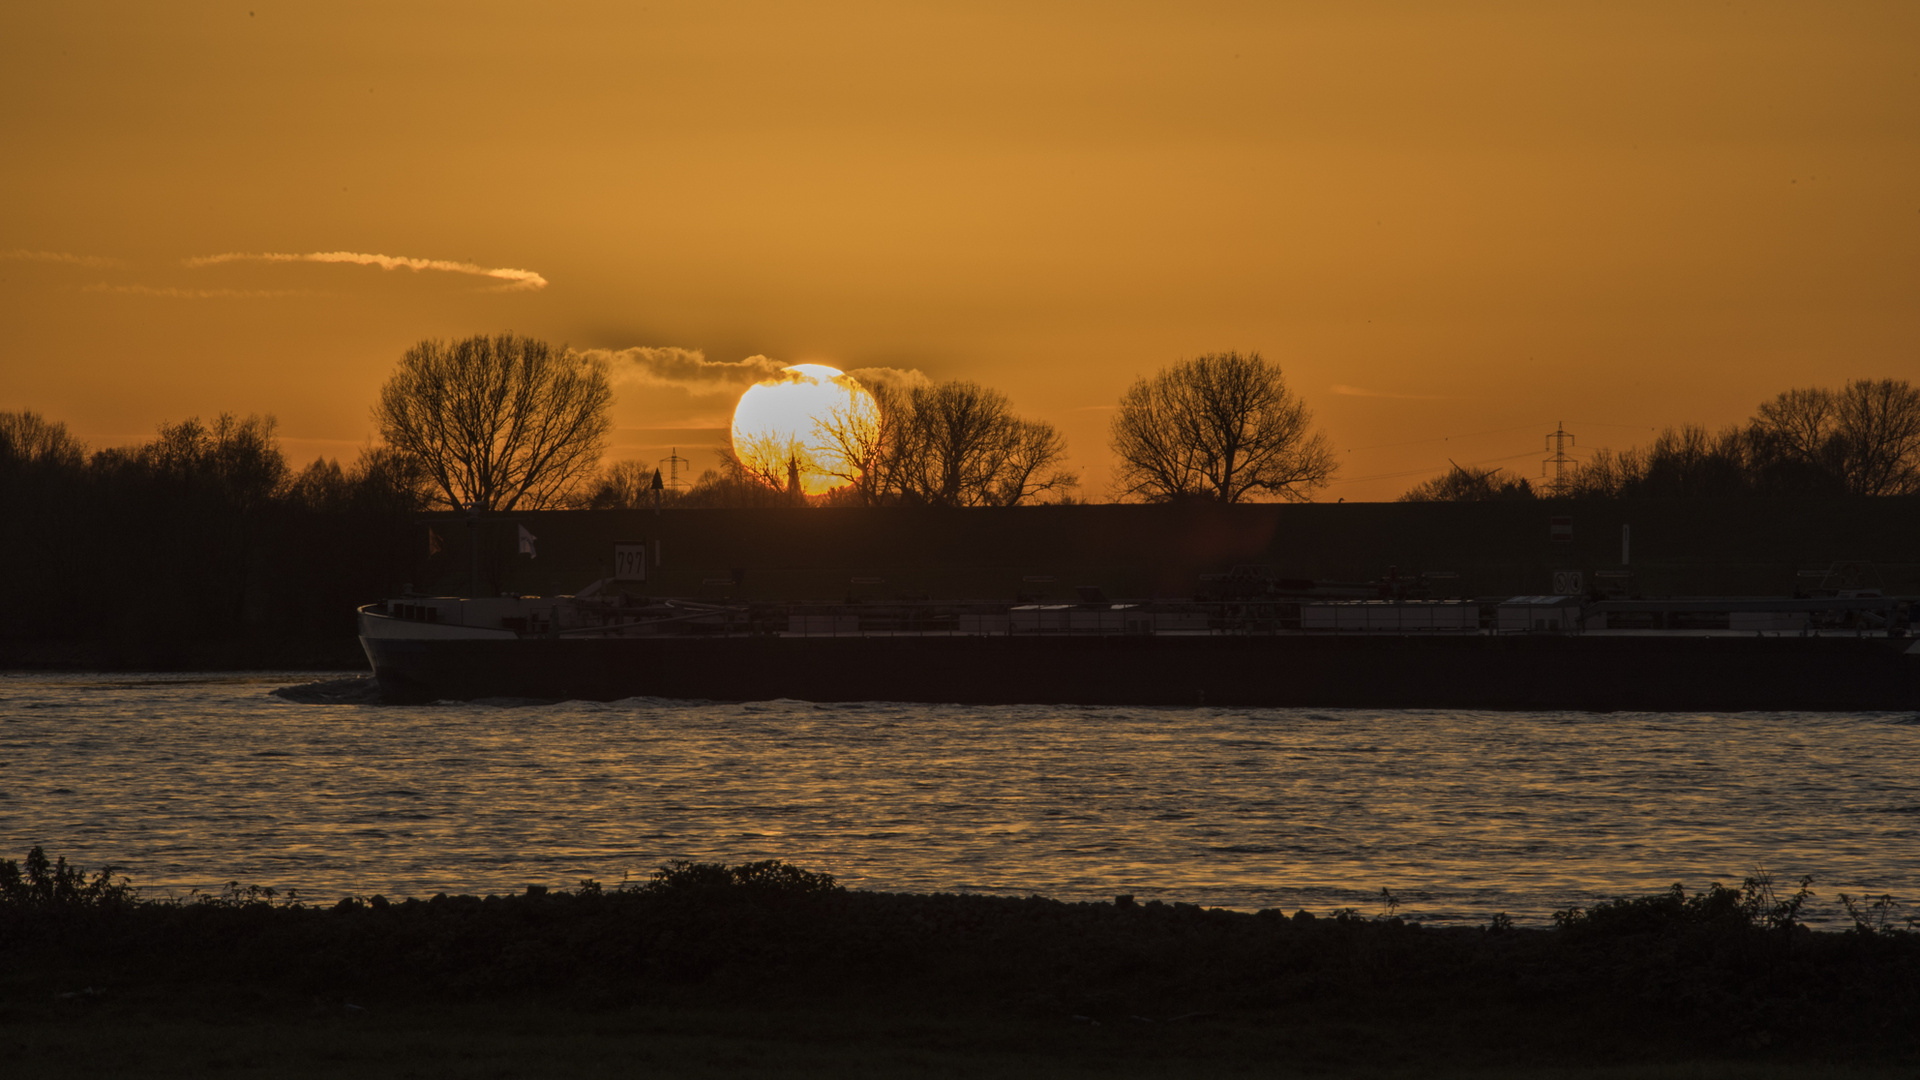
x=839 y=977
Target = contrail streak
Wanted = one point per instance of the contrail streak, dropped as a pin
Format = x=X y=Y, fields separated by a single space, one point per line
x=516 y=280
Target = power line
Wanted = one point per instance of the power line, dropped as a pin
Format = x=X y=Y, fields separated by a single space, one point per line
x=1560 y=442
x=1492 y=431
x=1424 y=470
x=1442 y=438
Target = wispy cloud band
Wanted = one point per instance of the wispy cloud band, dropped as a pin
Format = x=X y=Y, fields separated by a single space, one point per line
x=902 y=379
x=23 y=255
x=194 y=294
x=516 y=280
x=1360 y=391
x=690 y=370
x=687 y=369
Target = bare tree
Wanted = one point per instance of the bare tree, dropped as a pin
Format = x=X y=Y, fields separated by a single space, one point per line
x=1029 y=469
x=238 y=461
x=28 y=439
x=861 y=439
x=1465 y=483
x=960 y=444
x=1879 y=430
x=959 y=435
x=387 y=481
x=624 y=485
x=383 y=481
x=499 y=423
x=1681 y=463
x=733 y=485
x=775 y=460
x=1799 y=422
x=1865 y=436
x=1863 y=439
x=1689 y=463
x=953 y=444
x=1222 y=427
x=1606 y=474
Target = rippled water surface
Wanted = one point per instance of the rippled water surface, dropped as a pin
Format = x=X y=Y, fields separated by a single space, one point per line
x=193 y=781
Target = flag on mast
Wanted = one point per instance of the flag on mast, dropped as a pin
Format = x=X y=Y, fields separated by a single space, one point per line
x=526 y=542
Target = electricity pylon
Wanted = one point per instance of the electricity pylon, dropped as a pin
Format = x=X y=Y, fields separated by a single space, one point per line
x=673 y=461
x=1558 y=443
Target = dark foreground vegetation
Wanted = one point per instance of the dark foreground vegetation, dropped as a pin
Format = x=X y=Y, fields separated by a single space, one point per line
x=766 y=968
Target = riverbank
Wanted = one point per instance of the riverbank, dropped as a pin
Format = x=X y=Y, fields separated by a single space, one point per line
x=768 y=970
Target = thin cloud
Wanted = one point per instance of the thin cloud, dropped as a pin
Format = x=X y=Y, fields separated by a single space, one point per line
x=896 y=378
x=1357 y=391
x=516 y=280
x=195 y=294
x=690 y=370
x=23 y=255
x=686 y=369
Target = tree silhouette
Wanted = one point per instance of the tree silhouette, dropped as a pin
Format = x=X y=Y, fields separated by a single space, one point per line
x=951 y=444
x=624 y=485
x=861 y=442
x=1464 y=483
x=498 y=423
x=1222 y=427
x=1863 y=439
x=1866 y=435
x=30 y=441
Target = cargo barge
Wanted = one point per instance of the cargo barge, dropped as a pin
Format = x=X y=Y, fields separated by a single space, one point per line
x=1828 y=653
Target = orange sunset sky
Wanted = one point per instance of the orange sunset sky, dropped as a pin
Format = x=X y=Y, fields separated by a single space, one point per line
x=1453 y=224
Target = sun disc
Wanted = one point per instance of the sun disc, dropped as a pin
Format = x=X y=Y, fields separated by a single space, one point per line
x=782 y=420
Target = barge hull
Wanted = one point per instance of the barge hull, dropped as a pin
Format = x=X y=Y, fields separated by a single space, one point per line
x=1666 y=673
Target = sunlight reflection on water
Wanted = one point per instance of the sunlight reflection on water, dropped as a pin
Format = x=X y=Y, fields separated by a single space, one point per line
x=191 y=781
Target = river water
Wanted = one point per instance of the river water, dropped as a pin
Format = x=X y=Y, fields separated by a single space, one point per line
x=191 y=781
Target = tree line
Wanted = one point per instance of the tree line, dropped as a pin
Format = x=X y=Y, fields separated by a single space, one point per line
x=205 y=547
x=504 y=423
x=507 y=423
x=951 y=444
x=1862 y=439
x=1223 y=427
x=200 y=547
x=206 y=538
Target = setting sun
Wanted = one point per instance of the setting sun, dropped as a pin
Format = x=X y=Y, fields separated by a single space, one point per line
x=785 y=425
